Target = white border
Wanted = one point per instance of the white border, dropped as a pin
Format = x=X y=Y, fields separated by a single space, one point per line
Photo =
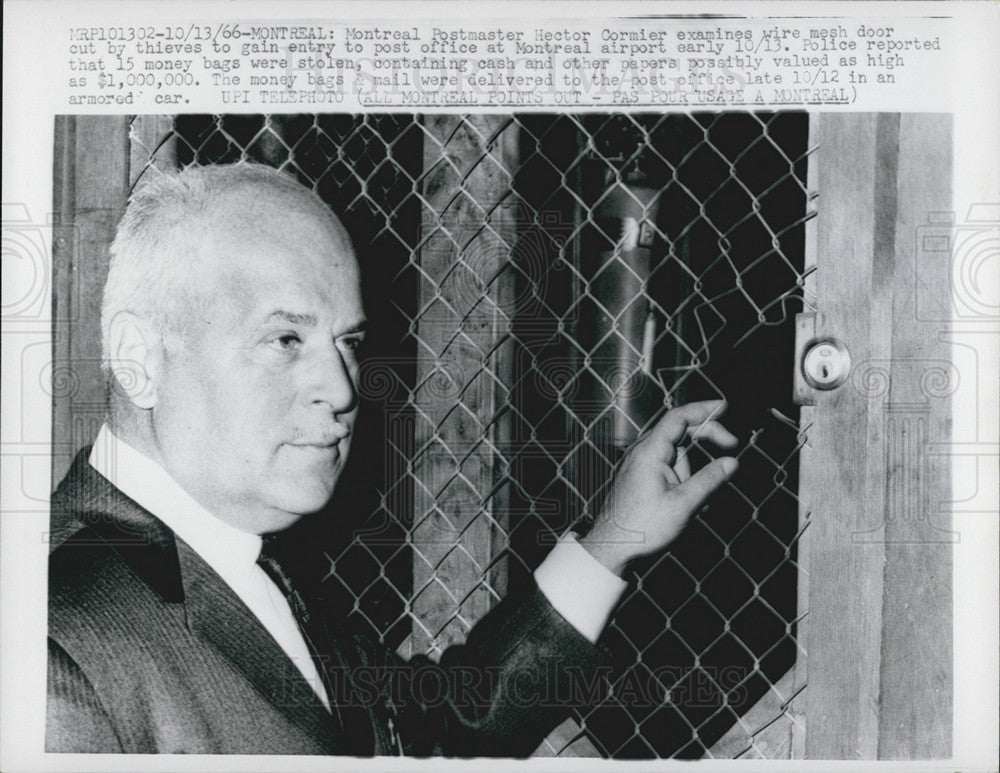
x=32 y=42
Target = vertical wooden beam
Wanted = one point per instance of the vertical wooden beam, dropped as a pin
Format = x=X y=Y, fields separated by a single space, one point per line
x=878 y=625
x=464 y=372
x=806 y=420
x=92 y=183
x=916 y=684
x=845 y=604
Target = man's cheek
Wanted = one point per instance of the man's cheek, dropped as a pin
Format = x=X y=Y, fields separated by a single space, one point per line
x=245 y=401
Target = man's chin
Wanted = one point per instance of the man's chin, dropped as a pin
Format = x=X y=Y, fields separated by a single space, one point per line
x=302 y=500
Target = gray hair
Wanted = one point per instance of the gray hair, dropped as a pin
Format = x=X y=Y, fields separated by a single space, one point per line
x=156 y=245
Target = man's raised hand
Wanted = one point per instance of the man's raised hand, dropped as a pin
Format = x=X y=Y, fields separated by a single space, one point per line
x=653 y=493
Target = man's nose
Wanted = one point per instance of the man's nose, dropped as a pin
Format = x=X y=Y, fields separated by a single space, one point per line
x=331 y=382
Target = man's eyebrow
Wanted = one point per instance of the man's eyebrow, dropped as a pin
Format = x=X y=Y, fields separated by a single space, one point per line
x=291 y=317
x=309 y=320
x=358 y=327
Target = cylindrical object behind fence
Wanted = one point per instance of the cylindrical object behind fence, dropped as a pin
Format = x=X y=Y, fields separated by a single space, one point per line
x=623 y=327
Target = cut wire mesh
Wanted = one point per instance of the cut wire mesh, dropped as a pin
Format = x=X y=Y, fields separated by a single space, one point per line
x=541 y=288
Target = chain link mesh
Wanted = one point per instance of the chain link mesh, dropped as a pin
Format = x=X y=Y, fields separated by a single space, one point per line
x=540 y=288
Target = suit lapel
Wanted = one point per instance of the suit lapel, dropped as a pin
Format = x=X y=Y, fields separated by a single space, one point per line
x=219 y=616
x=178 y=575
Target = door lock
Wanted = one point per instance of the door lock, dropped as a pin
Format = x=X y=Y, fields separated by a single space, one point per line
x=822 y=362
x=826 y=364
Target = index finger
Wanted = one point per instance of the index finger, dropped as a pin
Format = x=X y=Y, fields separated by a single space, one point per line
x=671 y=428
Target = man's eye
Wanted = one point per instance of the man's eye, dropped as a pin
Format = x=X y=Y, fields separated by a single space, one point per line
x=352 y=344
x=284 y=341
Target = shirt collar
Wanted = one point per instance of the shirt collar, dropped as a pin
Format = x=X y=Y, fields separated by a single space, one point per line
x=224 y=547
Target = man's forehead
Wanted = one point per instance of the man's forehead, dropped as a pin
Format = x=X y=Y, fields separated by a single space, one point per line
x=253 y=290
x=258 y=214
x=254 y=250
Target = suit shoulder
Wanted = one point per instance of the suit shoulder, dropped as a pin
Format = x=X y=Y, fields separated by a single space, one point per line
x=94 y=588
x=113 y=556
x=83 y=560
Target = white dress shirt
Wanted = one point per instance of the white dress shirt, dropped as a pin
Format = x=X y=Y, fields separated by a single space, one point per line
x=575 y=583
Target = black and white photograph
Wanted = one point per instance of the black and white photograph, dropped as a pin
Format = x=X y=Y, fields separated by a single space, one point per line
x=447 y=432
x=504 y=305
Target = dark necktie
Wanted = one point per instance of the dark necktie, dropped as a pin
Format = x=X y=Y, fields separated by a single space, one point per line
x=268 y=561
x=314 y=634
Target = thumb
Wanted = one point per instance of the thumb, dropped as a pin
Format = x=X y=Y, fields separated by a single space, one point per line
x=693 y=492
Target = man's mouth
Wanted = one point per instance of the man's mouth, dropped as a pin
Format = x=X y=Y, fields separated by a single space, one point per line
x=328 y=447
x=326 y=439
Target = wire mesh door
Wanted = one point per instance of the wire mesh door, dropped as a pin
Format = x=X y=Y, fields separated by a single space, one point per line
x=540 y=288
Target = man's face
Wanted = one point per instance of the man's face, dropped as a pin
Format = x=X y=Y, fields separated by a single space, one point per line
x=257 y=396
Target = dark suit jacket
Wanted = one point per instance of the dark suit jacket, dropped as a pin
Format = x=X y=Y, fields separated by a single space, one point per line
x=150 y=651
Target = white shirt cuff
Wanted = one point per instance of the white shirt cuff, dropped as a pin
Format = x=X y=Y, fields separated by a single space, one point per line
x=579 y=587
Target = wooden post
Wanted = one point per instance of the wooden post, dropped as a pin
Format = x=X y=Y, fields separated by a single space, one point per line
x=878 y=625
x=463 y=375
x=90 y=191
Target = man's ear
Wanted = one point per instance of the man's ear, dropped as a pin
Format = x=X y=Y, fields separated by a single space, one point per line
x=135 y=350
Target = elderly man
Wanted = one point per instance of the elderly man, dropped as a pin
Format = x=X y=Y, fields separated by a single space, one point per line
x=231 y=320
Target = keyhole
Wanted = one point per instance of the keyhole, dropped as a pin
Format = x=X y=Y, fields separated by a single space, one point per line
x=826 y=365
